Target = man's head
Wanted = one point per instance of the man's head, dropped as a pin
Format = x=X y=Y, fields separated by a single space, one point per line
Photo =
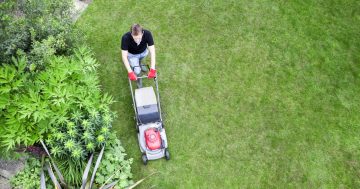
x=136 y=30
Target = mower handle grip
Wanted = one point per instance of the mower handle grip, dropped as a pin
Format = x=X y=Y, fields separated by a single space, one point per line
x=143 y=77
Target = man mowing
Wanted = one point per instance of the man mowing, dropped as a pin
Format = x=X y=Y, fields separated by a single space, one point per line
x=135 y=45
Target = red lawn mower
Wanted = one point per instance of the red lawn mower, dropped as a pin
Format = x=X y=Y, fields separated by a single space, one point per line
x=149 y=124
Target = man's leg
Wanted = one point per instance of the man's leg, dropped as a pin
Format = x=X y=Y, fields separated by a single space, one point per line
x=142 y=56
x=134 y=62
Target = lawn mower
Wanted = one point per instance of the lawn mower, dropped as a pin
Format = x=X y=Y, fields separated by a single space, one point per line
x=149 y=124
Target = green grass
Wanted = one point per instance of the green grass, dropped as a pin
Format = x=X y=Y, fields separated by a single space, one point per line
x=255 y=94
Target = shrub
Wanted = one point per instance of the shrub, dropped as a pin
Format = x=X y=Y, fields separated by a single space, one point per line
x=51 y=91
x=61 y=104
x=28 y=22
x=65 y=97
x=42 y=51
x=15 y=128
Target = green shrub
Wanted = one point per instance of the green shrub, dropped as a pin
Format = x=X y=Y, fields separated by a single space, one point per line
x=62 y=104
x=42 y=51
x=65 y=97
x=51 y=91
x=15 y=128
x=25 y=23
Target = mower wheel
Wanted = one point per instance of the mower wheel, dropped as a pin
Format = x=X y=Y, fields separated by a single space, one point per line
x=167 y=154
x=144 y=159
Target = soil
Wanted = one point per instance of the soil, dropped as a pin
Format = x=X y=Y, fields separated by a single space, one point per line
x=80 y=6
x=9 y=168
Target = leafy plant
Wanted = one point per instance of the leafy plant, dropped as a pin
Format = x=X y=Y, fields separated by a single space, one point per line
x=32 y=31
x=48 y=173
x=115 y=167
x=61 y=104
x=60 y=98
x=71 y=170
x=29 y=177
x=85 y=182
x=50 y=92
x=36 y=24
x=15 y=128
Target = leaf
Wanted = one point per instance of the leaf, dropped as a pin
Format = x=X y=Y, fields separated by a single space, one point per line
x=21 y=63
x=107 y=180
x=16 y=84
x=5 y=89
x=123 y=183
x=86 y=172
x=110 y=185
x=4 y=100
x=140 y=181
x=61 y=177
x=42 y=175
x=96 y=166
x=7 y=74
x=52 y=176
x=107 y=99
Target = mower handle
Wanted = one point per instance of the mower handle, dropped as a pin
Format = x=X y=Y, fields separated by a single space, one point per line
x=143 y=77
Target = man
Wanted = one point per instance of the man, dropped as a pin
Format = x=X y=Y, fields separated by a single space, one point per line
x=134 y=47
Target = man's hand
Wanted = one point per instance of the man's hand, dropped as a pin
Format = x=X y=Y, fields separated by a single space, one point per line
x=152 y=73
x=132 y=76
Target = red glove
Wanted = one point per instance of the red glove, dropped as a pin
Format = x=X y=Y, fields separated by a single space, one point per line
x=132 y=76
x=152 y=73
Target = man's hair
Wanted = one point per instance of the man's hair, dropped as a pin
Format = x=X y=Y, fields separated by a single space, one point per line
x=136 y=29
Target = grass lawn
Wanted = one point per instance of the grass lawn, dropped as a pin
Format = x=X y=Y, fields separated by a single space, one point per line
x=255 y=94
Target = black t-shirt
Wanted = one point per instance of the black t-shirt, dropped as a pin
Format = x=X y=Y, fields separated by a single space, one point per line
x=128 y=43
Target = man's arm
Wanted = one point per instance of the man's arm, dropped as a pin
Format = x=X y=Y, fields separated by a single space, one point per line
x=152 y=55
x=125 y=60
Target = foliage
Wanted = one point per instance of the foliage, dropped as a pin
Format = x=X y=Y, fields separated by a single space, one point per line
x=65 y=97
x=48 y=88
x=71 y=170
x=84 y=182
x=29 y=177
x=25 y=23
x=62 y=104
x=114 y=166
x=15 y=127
x=115 y=159
x=42 y=50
